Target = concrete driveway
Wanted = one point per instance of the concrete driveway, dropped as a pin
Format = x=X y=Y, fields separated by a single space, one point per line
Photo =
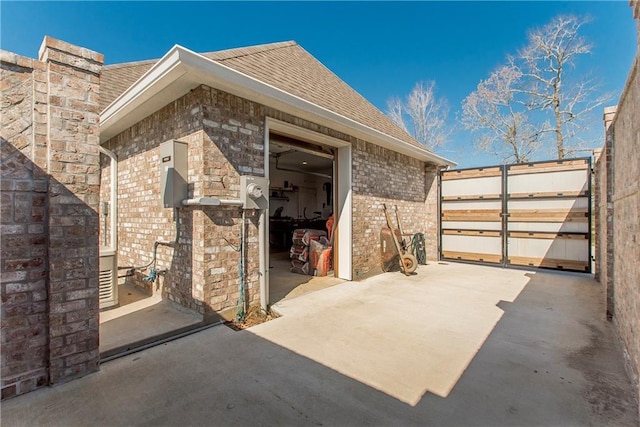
x=455 y=345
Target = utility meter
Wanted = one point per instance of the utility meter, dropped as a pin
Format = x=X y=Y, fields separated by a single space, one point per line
x=254 y=192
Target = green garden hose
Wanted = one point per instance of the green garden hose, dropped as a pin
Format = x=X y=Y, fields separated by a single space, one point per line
x=419 y=248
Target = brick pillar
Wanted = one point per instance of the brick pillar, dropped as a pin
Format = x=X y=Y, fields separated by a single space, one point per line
x=607 y=194
x=23 y=224
x=73 y=164
x=597 y=213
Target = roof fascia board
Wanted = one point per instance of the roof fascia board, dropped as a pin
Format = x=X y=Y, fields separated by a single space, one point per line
x=166 y=71
x=201 y=70
x=264 y=93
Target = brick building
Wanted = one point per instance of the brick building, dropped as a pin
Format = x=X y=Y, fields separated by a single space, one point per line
x=267 y=111
x=261 y=111
x=273 y=111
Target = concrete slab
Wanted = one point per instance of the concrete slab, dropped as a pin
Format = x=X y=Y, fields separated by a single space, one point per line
x=416 y=320
x=283 y=284
x=141 y=320
x=550 y=358
x=129 y=293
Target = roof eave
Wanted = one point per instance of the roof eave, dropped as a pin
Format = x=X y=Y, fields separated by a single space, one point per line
x=181 y=70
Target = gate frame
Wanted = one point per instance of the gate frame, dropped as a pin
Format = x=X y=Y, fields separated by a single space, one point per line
x=505 y=215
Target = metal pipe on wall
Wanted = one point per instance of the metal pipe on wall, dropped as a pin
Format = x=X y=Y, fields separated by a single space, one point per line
x=211 y=201
x=264 y=283
x=242 y=304
x=114 y=197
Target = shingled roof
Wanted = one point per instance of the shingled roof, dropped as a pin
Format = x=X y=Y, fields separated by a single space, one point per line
x=286 y=66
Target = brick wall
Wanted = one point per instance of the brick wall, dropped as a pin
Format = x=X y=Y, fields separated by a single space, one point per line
x=604 y=214
x=24 y=231
x=381 y=176
x=225 y=134
x=50 y=182
x=141 y=217
x=233 y=146
x=619 y=241
x=626 y=226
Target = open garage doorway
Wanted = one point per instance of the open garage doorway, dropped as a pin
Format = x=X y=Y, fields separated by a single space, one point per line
x=302 y=217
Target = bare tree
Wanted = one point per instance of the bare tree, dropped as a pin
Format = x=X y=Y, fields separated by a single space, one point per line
x=499 y=119
x=422 y=114
x=546 y=63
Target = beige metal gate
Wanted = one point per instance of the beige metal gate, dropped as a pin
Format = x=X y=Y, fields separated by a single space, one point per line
x=533 y=214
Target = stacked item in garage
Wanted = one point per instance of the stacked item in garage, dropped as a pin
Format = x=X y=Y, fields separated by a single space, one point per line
x=320 y=253
x=302 y=261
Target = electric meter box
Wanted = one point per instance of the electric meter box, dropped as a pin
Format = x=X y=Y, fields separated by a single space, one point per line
x=254 y=192
x=173 y=173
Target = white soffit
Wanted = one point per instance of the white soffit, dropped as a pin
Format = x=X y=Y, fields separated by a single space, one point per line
x=182 y=70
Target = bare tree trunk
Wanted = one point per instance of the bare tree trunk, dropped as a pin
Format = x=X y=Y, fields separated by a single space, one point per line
x=557 y=114
x=517 y=155
x=558 y=129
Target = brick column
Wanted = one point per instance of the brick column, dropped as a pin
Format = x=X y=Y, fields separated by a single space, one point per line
x=607 y=194
x=23 y=224
x=73 y=164
x=598 y=164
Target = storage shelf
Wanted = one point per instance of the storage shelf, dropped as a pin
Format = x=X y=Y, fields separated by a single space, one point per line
x=280 y=193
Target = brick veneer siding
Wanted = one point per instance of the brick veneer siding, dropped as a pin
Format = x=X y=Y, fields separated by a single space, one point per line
x=382 y=176
x=625 y=239
x=24 y=230
x=604 y=214
x=225 y=134
x=141 y=217
x=202 y=269
x=619 y=241
x=50 y=182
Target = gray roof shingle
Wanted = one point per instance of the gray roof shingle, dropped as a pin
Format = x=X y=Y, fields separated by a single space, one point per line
x=284 y=65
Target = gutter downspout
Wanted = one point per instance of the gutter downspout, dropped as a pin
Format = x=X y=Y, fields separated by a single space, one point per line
x=113 y=240
x=241 y=309
x=262 y=266
x=111 y=251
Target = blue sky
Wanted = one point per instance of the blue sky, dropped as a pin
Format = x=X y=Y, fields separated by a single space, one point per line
x=379 y=48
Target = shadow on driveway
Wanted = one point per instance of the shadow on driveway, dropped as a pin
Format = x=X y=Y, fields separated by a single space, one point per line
x=549 y=358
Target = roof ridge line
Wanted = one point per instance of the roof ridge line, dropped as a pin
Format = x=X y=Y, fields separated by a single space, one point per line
x=131 y=64
x=280 y=45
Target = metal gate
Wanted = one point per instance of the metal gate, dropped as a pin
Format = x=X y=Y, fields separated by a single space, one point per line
x=531 y=214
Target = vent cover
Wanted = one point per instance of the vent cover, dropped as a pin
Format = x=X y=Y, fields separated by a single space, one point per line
x=108 y=279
